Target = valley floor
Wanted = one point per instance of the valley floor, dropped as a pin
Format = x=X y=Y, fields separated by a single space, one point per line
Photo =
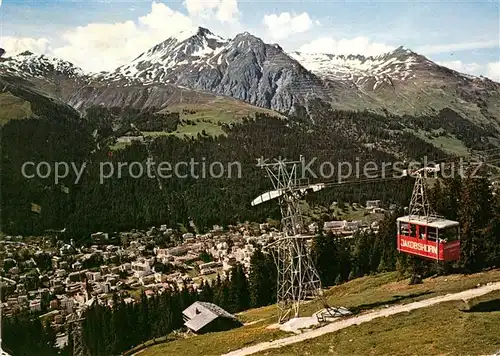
x=425 y=319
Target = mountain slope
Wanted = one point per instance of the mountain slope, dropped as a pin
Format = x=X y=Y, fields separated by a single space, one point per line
x=384 y=290
x=356 y=68
x=244 y=68
x=187 y=50
x=54 y=76
x=13 y=108
x=29 y=65
x=59 y=79
x=405 y=82
x=24 y=99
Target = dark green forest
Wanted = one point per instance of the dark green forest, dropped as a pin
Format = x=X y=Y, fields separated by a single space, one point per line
x=122 y=203
x=113 y=330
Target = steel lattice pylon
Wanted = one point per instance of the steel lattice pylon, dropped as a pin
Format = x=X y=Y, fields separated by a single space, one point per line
x=419 y=203
x=298 y=279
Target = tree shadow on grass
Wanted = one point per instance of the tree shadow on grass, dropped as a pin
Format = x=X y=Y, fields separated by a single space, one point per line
x=485 y=307
x=395 y=299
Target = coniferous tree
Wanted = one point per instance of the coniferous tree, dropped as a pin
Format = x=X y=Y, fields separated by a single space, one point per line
x=48 y=337
x=474 y=215
x=386 y=241
x=206 y=292
x=239 y=295
x=143 y=318
x=451 y=198
x=326 y=258
x=361 y=254
x=261 y=279
x=217 y=286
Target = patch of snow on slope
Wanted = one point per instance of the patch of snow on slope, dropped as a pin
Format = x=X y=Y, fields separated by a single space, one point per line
x=358 y=68
x=39 y=66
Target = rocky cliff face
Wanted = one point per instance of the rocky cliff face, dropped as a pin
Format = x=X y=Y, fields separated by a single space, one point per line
x=244 y=68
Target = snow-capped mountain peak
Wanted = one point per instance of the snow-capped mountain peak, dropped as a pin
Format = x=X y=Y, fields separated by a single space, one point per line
x=248 y=69
x=191 y=42
x=189 y=47
x=28 y=65
x=398 y=64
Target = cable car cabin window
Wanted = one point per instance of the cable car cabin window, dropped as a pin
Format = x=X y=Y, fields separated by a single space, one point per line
x=431 y=233
x=413 y=230
x=448 y=234
x=403 y=230
x=421 y=230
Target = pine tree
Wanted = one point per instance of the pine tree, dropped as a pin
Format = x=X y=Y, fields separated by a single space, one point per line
x=386 y=241
x=436 y=197
x=239 y=295
x=325 y=254
x=261 y=280
x=206 y=293
x=216 y=287
x=143 y=327
x=69 y=349
x=451 y=197
x=361 y=254
x=492 y=235
x=176 y=308
x=474 y=215
x=48 y=338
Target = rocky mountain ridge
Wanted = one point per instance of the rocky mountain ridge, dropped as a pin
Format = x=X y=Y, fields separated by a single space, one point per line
x=261 y=74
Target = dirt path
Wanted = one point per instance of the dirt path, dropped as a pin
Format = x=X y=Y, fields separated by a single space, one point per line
x=341 y=324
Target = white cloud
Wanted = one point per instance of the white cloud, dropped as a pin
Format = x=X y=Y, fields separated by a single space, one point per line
x=162 y=18
x=459 y=66
x=285 y=24
x=105 y=46
x=455 y=47
x=490 y=70
x=99 y=46
x=15 y=45
x=223 y=10
x=493 y=71
x=357 y=45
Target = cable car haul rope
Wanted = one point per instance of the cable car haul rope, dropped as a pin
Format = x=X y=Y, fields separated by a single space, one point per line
x=421 y=233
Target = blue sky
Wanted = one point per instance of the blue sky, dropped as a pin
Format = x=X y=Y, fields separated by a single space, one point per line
x=464 y=35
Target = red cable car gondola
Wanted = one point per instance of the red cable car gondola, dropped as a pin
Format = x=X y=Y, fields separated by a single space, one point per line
x=436 y=239
x=424 y=234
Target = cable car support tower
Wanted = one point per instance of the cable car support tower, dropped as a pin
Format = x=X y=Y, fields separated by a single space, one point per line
x=297 y=277
x=419 y=204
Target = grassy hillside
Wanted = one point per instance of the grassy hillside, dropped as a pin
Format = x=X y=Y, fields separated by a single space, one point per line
x=452 y=328
x=204 y=114
x=208 y=112
x=349 y=212
x=359 y=295
x=13 y=108
x=217 y=109
x=208 y=128
x=449 y=143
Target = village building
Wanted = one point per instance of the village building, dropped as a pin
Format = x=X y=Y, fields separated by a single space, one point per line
x=203 y=317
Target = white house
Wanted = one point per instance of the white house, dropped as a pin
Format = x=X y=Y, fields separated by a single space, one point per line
x=371 y=204
x=334 y=225
x=141 y=268
x=35 y=305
